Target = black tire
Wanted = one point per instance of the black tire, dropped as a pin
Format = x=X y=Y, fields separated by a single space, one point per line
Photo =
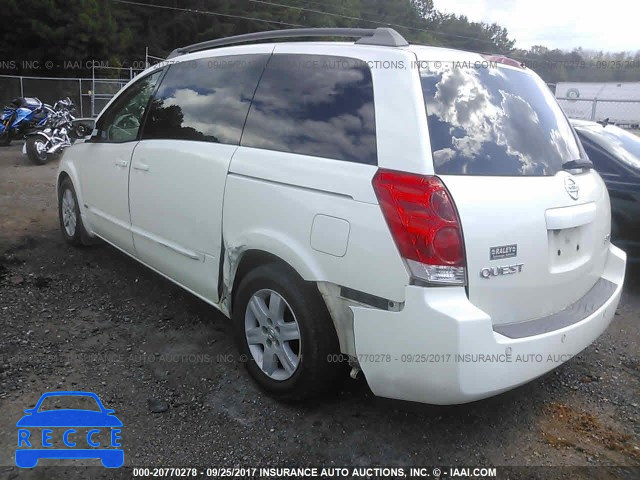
x=37 y=157
x=318 y=351
x=77 y=236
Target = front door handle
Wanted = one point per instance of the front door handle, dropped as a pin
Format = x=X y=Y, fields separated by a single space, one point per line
x=141 y=166
x=122 y=163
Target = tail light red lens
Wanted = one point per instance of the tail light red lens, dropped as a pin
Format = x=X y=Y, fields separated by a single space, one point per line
x=424 y=224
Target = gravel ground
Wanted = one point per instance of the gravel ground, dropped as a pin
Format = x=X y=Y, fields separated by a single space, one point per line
x=93 y=319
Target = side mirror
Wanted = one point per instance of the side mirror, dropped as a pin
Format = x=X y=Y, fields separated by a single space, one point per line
x=81 y=131
x=82 y=127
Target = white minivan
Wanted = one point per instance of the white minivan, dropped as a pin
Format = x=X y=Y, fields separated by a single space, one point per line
x=425 y=215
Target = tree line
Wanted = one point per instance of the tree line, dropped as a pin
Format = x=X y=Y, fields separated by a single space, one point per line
x=66 y=37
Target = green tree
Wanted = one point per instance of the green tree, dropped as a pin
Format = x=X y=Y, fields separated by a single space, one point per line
x=61 y=32
x=116 y=32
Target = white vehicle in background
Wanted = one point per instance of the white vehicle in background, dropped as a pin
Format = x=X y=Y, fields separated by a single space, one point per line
x=423 y=213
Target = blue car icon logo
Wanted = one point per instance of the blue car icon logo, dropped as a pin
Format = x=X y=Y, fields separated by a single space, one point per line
x=54 y=430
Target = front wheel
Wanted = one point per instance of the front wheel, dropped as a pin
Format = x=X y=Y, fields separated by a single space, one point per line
x=285 y=333
x=71 y=224
x=37 y=147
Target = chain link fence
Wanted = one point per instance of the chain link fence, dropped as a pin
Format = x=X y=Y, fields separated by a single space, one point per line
x=89 y=95
x=106 y=82
x=48 y=90
x=621 y=112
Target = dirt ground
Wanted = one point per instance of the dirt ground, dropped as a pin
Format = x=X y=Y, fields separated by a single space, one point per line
x=92 y=319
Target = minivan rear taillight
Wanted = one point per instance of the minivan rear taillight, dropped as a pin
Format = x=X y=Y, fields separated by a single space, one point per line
x=424 y=224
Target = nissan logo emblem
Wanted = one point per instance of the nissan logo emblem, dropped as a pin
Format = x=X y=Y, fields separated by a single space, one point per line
x=571 y=187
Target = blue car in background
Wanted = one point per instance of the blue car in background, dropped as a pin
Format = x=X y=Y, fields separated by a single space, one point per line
x=65 y=422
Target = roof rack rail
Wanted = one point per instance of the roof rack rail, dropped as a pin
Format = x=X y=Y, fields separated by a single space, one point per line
x=368 y=36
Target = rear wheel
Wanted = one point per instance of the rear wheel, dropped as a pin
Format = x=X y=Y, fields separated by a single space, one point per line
x=284 y=331
x=37 y=150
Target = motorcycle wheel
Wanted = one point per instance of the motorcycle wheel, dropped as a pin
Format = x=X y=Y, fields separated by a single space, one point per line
x=37 y=150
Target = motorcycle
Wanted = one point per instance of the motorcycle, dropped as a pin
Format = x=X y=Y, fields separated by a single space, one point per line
x=57 y=134
x=22 y=115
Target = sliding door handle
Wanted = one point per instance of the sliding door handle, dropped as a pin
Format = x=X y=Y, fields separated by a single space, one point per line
x=141 y=166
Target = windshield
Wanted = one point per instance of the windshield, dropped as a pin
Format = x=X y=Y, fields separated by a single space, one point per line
x=624 y=145
x=494 y=121
x=65 y=402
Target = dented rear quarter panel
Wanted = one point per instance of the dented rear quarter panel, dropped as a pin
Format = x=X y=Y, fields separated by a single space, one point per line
x=273 y=210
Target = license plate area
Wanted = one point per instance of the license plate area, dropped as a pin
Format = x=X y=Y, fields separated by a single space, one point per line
x=569 y=248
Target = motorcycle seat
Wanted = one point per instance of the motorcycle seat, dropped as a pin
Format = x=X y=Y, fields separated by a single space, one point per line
x=26 y=102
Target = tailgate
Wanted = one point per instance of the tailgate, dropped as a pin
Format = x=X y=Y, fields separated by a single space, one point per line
x=536 y=234
x=531 y=249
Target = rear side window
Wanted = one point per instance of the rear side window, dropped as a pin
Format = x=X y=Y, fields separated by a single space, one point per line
x=494 y=121
x=314 y=105
x=205 y=100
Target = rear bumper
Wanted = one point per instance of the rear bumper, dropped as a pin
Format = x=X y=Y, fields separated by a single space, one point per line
x=441 y=349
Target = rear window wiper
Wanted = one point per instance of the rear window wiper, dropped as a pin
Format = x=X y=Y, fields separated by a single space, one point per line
x=571 y=164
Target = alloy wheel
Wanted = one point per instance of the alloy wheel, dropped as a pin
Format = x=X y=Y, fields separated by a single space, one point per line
x=273 y=334
x=69 y=219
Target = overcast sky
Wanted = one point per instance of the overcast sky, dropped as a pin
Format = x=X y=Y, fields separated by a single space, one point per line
x=610 y=25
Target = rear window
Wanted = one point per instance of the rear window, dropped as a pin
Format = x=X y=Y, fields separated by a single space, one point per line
x=494 y=121
x=316 y=105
